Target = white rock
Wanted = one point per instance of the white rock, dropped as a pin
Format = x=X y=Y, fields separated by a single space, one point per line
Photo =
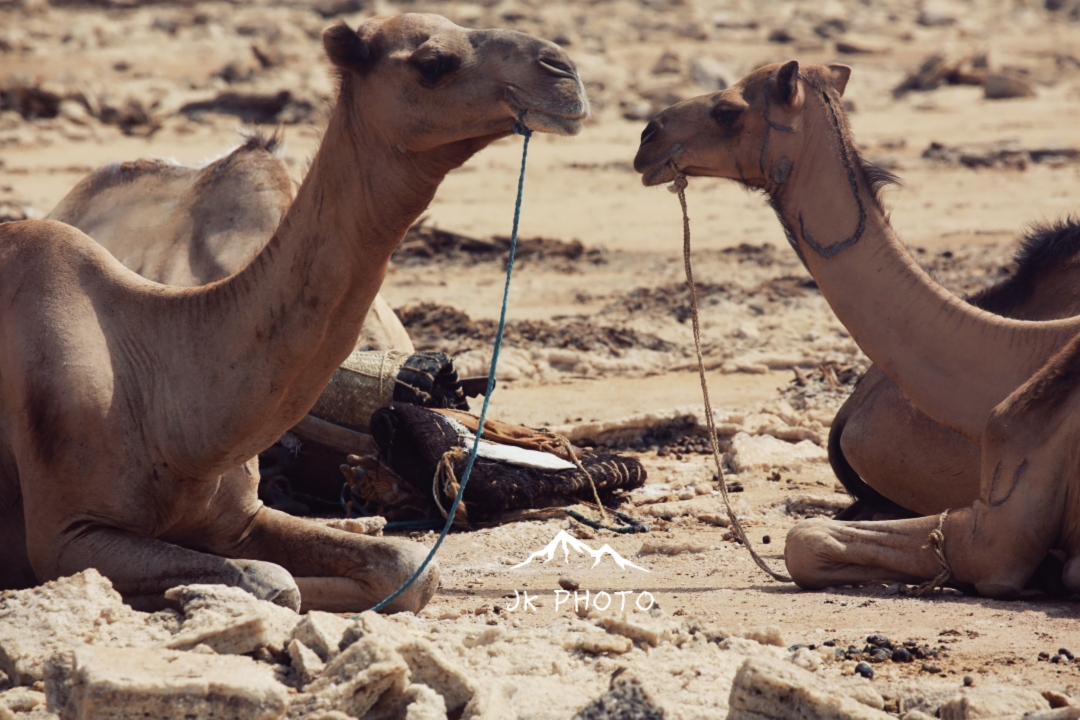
x=307 y=664
x=322 y=632
x=992 y=701
x=358 y=677
x=229 y=620
x=83 y=608
x=777 y=690
x=764 y=452
x=104 y=683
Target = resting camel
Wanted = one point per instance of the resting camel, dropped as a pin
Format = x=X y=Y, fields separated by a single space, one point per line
x=191 y=226
x=129 y=410
x=1008 y=386
x=898 y=462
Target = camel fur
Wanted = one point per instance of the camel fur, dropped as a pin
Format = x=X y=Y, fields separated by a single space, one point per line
x=1010 y=387
x=130 y=410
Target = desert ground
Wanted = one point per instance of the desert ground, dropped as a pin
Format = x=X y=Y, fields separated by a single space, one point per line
x=599 y=344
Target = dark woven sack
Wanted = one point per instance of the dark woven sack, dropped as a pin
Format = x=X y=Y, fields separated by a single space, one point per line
x=413 y=442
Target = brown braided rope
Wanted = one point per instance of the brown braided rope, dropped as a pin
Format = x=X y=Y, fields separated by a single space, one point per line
x=935 y=543
x=679 y=188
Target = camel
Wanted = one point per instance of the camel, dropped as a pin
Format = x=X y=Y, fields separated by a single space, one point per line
x=1007 y=386
x=191 y=226
x=130 y=410
x=881 y=446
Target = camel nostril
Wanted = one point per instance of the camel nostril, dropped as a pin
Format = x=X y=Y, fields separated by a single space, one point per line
x=558 y=68
x=650 y=131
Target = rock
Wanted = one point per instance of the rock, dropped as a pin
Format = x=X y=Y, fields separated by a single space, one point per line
x=709 y=74
x=815 y=505
x=356 y=679
x=322 y=632
x=671 y=547
x=98 y=683
x=1003 y=87
x=597 y=643
x=230 y=620
x=667 y=63
x=39 y=622
x=764 y=452
x=21 y=699
x=992 y=701
x=625 y=699
x=427 y=664
x=916 y=715
x=424 y=704
x=768 y=688
x=865 y=671
x=494 y=701
x=634 y=629
x=307 y=664
x=764 y=635
x=568 y=584
x=781 y=35
x=807 y=659
x=1058 y=699
x=930 y=18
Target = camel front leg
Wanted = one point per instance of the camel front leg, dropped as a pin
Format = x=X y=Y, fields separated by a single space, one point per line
x=339 y=571
x=821 y=553
x=142 y=569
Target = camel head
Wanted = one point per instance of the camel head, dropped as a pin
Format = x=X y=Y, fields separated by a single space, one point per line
x=752 y=132
x=422 y=83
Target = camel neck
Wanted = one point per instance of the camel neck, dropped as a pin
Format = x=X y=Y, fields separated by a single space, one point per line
x=953 y=360
x=284 y=323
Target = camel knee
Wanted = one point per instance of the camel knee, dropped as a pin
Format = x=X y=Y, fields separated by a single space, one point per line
x=810 y=551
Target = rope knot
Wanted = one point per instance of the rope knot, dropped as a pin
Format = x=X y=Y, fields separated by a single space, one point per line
x=520 y=129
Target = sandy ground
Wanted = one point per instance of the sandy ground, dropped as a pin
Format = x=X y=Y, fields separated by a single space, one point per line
x=760 y=317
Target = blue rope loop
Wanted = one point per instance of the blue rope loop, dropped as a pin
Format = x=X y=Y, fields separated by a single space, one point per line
x=519 y=129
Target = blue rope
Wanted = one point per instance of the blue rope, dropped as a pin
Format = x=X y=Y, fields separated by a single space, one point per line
x=520 y=129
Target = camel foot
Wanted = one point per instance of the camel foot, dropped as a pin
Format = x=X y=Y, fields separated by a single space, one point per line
x=400 y=561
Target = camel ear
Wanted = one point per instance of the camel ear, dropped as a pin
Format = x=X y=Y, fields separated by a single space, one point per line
x=345 y=48
x=838 y=77
x=787 y=82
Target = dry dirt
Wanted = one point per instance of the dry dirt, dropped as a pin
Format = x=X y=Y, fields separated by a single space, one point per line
x=599 y=332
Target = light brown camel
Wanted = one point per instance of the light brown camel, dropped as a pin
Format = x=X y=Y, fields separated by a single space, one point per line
x=898 y=462
x=1008 y=386
x=191 y=226
x=126 y=406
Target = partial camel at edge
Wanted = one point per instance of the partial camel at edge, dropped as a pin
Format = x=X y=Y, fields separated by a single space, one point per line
x=892 y=458
x=1009 y=387
x=130 y=410
x=191 y=226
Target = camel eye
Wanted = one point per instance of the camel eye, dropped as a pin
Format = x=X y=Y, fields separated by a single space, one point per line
x=726 y=116
x=435 y=68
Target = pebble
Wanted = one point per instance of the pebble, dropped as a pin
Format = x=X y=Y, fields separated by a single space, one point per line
x=879 y=655
x=932 y=669
x=865 y=670
x=568 y=584
x=879 y=641
x=1066 y=653
x=902 y=655
x=1044 y=655
x=1055 y=659
x=765 y=540
x=969 y=681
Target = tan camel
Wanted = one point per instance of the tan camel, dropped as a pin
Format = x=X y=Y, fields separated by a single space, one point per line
x=895 y=460
x=188 y=226
x=127 y=406
x=1008 y=386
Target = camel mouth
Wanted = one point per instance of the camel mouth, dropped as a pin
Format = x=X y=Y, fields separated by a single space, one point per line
x=559 y=117
x=657 y=174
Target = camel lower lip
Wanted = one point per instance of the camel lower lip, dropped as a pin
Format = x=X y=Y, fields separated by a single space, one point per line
x=657 y=175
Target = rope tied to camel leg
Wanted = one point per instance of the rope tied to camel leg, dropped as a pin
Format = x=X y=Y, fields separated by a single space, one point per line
x=520 y=129
x=678 y=187
x=935 y=543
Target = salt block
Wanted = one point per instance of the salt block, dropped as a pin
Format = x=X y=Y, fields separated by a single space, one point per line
x=229 y=620
x=304 y=660
x=427 y=664
x=597 y=643
x=355 y=680
x=635 y=630
x=84 y=608
x=106 y=683
x=322 y=632
x=770 y=689
x=764 y=452
x=992 y=701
